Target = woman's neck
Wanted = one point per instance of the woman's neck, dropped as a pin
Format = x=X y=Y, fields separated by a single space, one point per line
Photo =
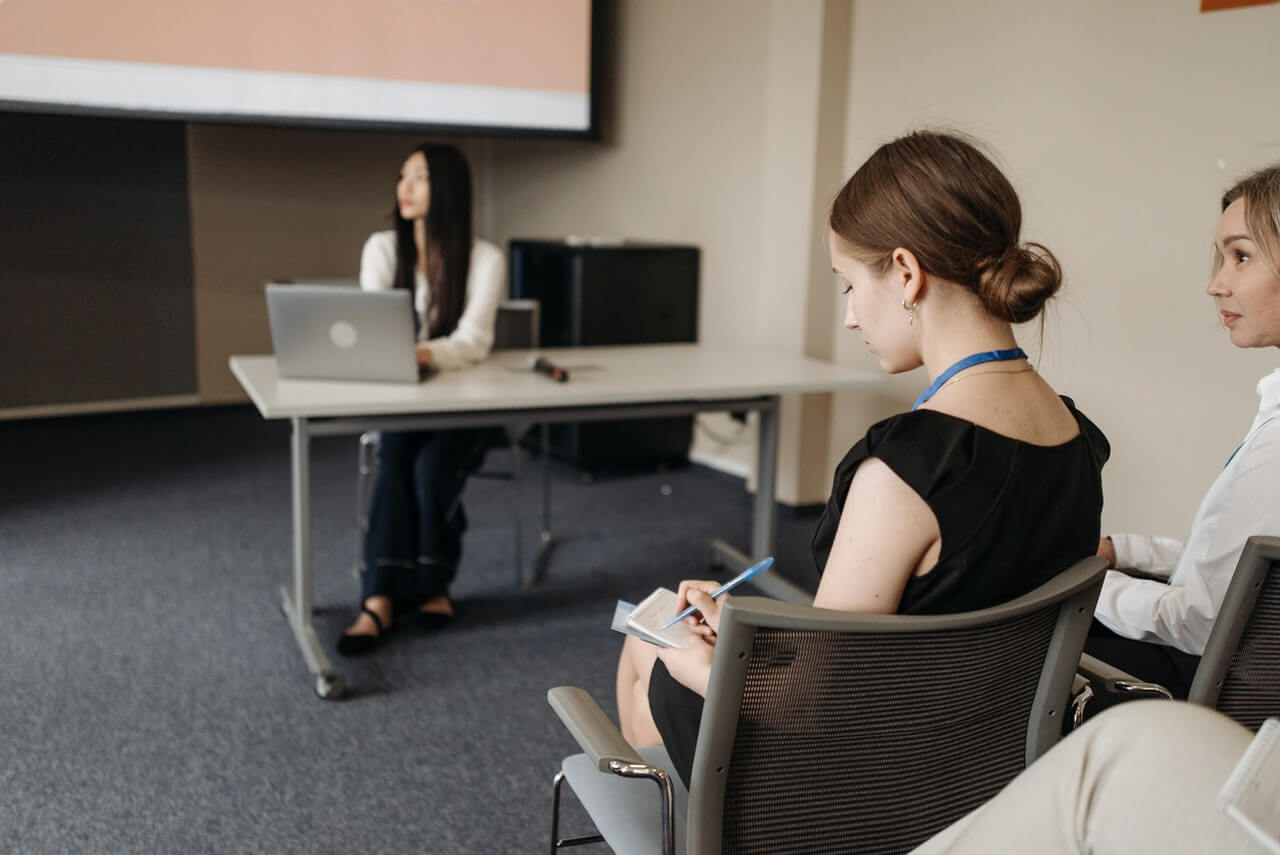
x=965 y=335
x=421 y=242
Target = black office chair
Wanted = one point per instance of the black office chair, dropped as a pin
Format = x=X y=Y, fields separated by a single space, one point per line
x=827 y=731
x=1239 y=673
x=516 y=327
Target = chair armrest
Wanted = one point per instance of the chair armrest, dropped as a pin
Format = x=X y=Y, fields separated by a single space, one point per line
x=605 y=746
x=598 y=737
x=1114 y=680
x=1135 y=573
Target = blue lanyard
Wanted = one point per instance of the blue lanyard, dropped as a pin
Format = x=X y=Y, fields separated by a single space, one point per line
x=1246 y=439
x=968 y=362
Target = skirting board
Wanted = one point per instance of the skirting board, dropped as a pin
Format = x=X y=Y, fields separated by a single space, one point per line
x=80 y=408
x=728 y=466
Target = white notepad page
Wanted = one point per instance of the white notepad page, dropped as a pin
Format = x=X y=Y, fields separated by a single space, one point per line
x=1252 y=792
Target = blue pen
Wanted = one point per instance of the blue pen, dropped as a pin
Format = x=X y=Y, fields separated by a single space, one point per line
x=754 y=570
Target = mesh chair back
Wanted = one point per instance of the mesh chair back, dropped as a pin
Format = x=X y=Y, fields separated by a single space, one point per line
x=1240 y=670
x=872 y=736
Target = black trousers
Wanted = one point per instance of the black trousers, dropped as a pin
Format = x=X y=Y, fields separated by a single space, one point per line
x=1153 y=663
x=416 y=519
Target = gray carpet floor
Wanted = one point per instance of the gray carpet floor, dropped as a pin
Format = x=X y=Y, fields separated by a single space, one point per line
x=153 y=699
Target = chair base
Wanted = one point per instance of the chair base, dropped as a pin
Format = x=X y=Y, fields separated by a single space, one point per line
x=612 y=802
x=558 y=842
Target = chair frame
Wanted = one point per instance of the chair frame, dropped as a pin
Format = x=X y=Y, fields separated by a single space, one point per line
x=1093 y=670
x=1076 y=591
x=609 y=752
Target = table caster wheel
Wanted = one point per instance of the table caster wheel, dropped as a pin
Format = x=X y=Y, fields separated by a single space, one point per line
x=330 y=687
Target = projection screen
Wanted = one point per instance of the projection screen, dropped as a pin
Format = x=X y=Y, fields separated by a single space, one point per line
x=484 y=64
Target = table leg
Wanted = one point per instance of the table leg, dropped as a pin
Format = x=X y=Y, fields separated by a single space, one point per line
x=533 y=574
x=297 y=602
x=764 y=519
x=544 y=530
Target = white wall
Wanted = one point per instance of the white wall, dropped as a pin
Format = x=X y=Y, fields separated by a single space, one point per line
x=1120 y=124
x=684 y=156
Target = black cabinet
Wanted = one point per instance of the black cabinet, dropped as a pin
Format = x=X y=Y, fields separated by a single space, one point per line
x=596 y=294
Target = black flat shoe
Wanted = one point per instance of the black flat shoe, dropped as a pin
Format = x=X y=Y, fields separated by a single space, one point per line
x=359 y=645
x=431 y=621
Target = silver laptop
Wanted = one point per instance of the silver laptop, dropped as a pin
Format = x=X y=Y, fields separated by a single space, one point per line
x=335 y=332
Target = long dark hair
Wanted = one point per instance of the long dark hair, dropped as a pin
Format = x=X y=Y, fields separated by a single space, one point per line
x=448 y=237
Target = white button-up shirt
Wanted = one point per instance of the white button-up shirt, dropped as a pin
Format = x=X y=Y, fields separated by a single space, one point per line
x=1243 y=501
x=486 y=288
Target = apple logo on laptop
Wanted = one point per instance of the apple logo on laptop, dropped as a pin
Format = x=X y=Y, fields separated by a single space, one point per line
x=343 y=335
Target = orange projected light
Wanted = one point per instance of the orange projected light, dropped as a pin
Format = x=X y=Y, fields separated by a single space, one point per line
x=1218 y=5
x=525 y=45
x=413 y=61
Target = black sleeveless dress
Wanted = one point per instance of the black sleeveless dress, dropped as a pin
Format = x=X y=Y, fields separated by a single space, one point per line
x=1012 y=516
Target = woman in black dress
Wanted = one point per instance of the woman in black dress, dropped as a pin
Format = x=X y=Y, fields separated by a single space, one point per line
x=988 y=487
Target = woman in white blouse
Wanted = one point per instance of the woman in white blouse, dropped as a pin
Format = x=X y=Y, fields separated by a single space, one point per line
x=415 y=516
x=1156 y=628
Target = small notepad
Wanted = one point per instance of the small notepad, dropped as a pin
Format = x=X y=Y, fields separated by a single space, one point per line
x=1251 y=794
x=646 y=620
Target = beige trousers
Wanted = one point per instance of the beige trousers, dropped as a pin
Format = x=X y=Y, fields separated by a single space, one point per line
x=1142 y=777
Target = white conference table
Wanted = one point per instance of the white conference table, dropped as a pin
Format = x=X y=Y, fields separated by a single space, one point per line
x=605 y=383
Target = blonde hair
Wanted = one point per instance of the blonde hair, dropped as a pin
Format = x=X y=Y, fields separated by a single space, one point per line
x=937 y=195
x=1261 y=194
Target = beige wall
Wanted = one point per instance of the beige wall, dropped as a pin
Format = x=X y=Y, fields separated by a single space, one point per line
x=683 y=160
x=1120 y=124
x=715 y=139
x=730 y=123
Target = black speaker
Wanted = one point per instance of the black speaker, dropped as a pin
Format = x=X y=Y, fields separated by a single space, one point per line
x=594 y=294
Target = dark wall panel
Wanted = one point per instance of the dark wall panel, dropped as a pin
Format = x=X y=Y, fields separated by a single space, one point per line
x=95 y=260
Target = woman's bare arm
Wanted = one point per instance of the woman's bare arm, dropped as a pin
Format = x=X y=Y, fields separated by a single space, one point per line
x=886 y=534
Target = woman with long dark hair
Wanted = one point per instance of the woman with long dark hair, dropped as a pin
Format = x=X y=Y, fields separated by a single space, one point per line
x=416 y=520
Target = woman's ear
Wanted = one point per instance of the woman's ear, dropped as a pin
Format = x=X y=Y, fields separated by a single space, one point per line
x=907 y=272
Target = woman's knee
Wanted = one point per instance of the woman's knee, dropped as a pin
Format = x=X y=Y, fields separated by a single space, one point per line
x=635 y=667
x=442 y=463
x=1166 y=733
x=641 y=655
x=397 y=450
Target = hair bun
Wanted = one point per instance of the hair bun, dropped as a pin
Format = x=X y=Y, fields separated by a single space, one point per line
x=1015 y=285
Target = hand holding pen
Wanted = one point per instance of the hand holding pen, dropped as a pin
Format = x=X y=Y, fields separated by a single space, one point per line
x=701 y=596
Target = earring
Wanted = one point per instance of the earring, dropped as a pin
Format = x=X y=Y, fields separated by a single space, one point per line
x=911 y=312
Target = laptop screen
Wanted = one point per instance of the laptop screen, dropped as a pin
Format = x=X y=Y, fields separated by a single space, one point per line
x=335 y=332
